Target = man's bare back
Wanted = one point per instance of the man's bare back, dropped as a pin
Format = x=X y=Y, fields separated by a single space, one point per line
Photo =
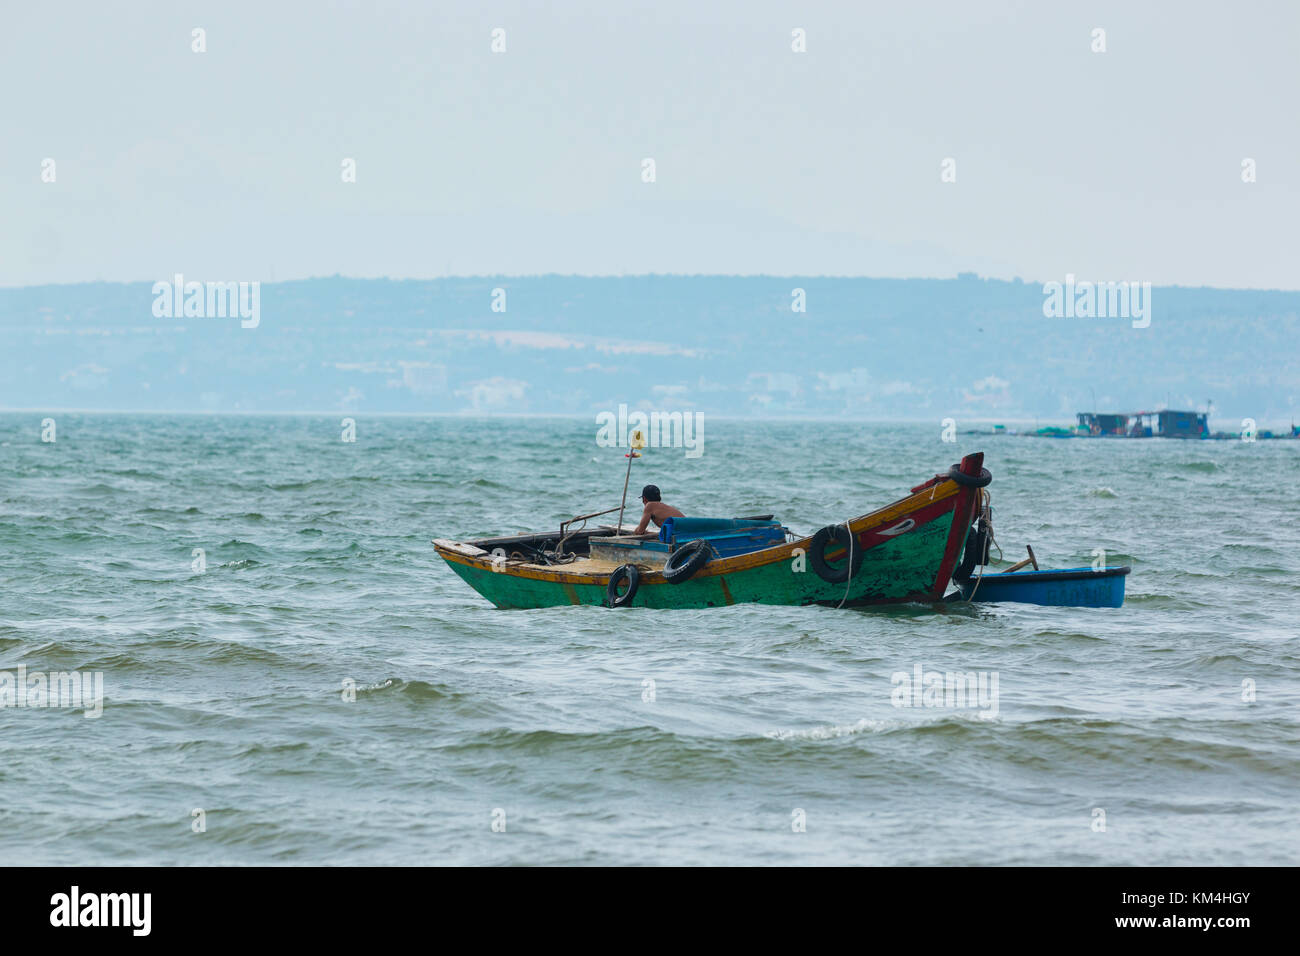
x=655 y=509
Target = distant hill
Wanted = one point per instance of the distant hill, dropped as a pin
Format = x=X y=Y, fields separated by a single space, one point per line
x=920 y=349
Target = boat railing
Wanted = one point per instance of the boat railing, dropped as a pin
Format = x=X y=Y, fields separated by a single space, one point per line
x=564 y=528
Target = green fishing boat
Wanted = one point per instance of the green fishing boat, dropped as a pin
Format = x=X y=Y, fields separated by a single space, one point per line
x=903 y=552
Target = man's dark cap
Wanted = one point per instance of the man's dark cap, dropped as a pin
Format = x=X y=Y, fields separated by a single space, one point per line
x=650 y=493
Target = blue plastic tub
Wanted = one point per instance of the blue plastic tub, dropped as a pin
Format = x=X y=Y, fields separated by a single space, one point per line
x=738 y=542
x=679 y=530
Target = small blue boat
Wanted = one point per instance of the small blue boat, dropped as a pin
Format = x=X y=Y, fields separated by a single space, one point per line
x=1070 y=587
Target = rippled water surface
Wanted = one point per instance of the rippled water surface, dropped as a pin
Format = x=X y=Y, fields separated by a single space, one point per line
x=223 y=689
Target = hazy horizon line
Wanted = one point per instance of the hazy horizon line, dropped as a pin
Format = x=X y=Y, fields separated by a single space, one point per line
x=959 y=277
x=1038 y=421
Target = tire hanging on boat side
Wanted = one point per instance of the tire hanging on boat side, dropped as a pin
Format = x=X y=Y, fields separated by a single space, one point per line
x=612 y=597
x=976 y=550
x=686 y=560
x=969 y=481
x=817 y=553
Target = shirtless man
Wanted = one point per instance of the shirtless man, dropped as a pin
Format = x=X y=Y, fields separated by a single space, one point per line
x=655 y=509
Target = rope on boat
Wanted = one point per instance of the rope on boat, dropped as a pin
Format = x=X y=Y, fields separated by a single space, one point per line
x=986 y=514
x=986 y=507
x=978 y=578
x=559 y=548
x=848 y=582
x=567 y=532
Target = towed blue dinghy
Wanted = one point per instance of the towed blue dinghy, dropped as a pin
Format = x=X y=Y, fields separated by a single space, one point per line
x=1069 y=587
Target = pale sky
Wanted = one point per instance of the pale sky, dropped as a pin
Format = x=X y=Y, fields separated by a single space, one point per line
x=226 y=164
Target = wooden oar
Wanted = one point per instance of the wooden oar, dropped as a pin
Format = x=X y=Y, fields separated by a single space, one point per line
x=1020 y=564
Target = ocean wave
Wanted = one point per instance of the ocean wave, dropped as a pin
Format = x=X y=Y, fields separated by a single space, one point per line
x=412 y=690
x=863 y=726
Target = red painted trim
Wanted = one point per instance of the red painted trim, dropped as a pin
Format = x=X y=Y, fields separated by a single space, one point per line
x=962 y=516
x=922 y=516
x=928 y=484
x=961 y=519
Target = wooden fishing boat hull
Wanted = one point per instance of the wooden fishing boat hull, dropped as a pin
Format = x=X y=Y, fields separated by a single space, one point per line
x=908 y=552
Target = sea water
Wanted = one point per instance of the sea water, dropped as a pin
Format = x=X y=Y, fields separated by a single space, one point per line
x=289 y=674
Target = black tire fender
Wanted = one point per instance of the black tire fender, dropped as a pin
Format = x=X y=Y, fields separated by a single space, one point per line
x=612 y=597
x=838 y=533
x=686 y=560
x=969 y=481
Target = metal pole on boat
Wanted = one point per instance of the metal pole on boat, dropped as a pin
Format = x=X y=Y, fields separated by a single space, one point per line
x=635 y=441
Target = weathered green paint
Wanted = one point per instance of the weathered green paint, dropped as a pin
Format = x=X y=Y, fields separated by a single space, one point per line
x=891 y=571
